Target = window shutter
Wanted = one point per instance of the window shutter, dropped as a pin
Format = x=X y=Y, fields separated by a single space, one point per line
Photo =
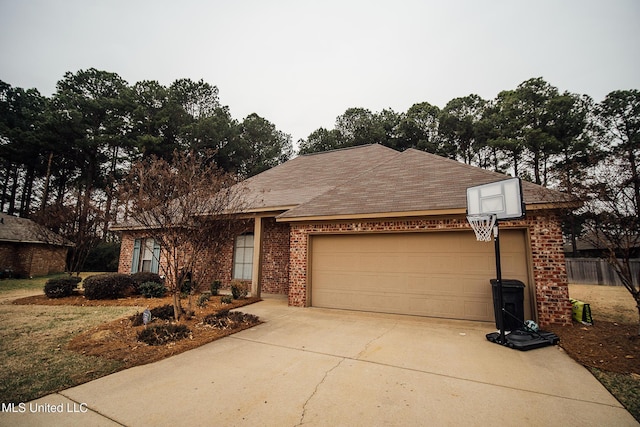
x=155 y=261
x=136 y=256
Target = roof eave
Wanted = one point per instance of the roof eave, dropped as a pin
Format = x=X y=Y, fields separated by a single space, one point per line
x=418 y=213
x=375 y=215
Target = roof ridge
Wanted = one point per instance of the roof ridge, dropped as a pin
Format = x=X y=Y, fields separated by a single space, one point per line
x=344 y=149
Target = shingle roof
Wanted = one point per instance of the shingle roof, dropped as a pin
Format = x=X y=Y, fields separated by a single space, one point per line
x=23 y=230
x=411 y=181
x=305 y=177
x=371 y=180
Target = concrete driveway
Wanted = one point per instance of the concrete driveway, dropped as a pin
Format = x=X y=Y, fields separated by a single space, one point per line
x=308 y=366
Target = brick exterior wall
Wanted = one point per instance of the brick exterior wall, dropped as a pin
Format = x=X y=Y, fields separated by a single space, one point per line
x=275 y=258
x=548 y=264
x=31 y=260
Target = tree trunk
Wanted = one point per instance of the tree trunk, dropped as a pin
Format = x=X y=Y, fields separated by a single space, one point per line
x=47 y=178
x=14 y=190
x=638 y=307
x=5 y=185
x=635 y=178
x=536 y=168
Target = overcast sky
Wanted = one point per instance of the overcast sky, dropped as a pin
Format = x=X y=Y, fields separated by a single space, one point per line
x=300 y=64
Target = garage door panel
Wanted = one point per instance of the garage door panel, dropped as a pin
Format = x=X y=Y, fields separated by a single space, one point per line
x=443 y=274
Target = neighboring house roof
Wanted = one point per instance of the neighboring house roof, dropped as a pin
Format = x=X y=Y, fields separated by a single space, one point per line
x=22 y=230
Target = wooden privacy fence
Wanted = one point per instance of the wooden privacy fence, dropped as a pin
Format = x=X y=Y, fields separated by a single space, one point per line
x=596 y=271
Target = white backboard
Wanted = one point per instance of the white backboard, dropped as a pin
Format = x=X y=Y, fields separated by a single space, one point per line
x=502 y=198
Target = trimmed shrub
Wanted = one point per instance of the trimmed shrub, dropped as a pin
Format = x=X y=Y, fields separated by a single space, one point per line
x=215 y=287
x=226 y=299
x=186 y=287
x=152 y=290
x=162 y=334
x=164 y=312
x=108 y=286
x=144 y=277
x=204 y=297
x=61 y=287
x=239 y=290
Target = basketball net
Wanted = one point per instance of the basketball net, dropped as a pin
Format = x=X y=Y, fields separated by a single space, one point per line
x=483 y=226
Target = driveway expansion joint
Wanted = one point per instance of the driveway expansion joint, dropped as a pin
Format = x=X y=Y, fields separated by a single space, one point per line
x=92 y=410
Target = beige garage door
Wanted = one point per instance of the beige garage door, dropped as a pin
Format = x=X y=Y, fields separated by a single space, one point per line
x=440 y=274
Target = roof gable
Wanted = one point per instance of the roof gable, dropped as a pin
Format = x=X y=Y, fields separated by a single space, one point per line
x=413 y=181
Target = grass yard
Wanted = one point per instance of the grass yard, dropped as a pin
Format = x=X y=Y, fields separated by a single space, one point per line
x=608 y=303
x=47 y=345
x=33 y=342
x=33 y=351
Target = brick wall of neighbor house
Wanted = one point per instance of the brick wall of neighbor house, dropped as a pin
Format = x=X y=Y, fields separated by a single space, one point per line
x=275 y=257
x=47 y=260
x=8 y=256
x=549 y=270
x=30 y=260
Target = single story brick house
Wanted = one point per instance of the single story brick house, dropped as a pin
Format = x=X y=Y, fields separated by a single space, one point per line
x=27 y=249
x=373 y=229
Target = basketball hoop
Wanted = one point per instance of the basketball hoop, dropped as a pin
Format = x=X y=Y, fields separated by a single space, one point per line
x=483 y=226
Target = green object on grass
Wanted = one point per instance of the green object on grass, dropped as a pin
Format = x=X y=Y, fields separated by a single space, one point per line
x=581 y=312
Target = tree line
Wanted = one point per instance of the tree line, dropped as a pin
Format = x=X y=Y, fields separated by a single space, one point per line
x=534 y=131
x=63 y=157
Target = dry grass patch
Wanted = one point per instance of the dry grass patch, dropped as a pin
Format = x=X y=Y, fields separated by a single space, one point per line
x=608 y=303
x=33 y=342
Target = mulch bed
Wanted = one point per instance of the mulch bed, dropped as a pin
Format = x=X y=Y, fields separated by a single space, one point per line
x=604 y=345
x=118 y=340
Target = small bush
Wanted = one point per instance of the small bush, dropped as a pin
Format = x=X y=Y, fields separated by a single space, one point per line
x=204 y=297
x=108 y=286
x=239 y=290
x=152 y=290
x=143 y=277
x=162 y=334
x=226 y=319
x=226 y=299
x=62 y=287
x=187 y=287
x=215 y=287
x=164 y=312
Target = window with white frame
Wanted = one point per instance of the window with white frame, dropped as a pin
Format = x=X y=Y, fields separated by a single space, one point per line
x=243 y=257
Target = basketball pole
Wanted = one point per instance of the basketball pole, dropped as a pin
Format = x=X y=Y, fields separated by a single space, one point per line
x=496 y=240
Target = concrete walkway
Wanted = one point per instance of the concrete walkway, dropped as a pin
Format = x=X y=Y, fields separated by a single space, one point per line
x=308 y=366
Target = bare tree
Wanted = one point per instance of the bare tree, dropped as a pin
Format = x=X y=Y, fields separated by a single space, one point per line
x=612 y=223
x=189 y=206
